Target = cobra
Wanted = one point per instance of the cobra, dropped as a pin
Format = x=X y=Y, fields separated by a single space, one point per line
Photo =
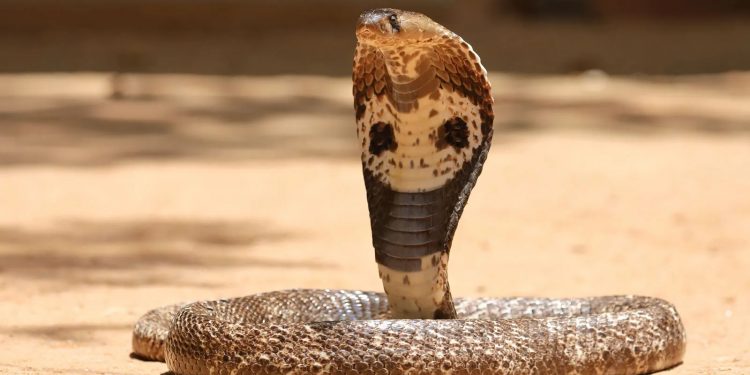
x=423 y=108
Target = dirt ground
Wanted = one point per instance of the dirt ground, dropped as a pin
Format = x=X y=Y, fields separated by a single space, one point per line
x=206 y=187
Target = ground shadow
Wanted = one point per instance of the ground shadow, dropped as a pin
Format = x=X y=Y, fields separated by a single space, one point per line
x=234 y=120
x=96 y=132
x=65 y=332
x=132 y=254
x=522 y=114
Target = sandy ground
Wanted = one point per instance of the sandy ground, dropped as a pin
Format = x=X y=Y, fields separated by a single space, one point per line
x=197 y=188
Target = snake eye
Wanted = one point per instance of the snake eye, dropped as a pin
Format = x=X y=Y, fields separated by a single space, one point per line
x=394 y=23
x=382 y=138
x=453 y=132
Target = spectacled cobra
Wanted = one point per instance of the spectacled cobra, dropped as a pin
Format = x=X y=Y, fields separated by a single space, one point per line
x=424 y=120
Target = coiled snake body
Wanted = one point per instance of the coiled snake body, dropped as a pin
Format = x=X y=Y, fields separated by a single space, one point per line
x=424 y=119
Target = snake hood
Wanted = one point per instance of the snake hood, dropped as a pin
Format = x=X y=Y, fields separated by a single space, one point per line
x=424 y=121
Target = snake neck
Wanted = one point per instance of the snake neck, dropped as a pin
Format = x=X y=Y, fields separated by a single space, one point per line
x=412 y=234
x=419 y=294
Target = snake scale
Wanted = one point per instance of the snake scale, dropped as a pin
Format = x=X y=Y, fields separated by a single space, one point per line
x=424 y=120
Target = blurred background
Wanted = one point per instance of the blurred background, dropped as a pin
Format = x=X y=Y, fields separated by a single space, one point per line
x=230 y=37
x=148 y=53
x=156 y=151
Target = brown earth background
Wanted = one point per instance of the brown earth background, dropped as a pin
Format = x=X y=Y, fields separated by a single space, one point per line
x=159 y=151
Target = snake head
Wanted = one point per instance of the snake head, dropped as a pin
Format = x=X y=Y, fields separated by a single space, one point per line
x=394 y=26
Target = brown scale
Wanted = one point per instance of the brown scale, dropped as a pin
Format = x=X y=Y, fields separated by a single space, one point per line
x=440 y=66
x=369 y=78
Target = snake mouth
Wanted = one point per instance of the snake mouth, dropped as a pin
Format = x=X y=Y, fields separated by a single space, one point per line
x=377 y=23
x=386 y=26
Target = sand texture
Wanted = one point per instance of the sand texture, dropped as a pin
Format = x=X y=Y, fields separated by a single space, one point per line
x=204 y=187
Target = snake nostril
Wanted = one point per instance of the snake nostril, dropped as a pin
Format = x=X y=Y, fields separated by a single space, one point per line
x=382 y=138
x=453 y=132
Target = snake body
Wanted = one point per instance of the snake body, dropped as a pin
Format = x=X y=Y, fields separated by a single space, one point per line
x=424 y=120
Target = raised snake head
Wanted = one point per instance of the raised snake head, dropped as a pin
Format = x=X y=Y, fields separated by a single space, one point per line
x=424 y=121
